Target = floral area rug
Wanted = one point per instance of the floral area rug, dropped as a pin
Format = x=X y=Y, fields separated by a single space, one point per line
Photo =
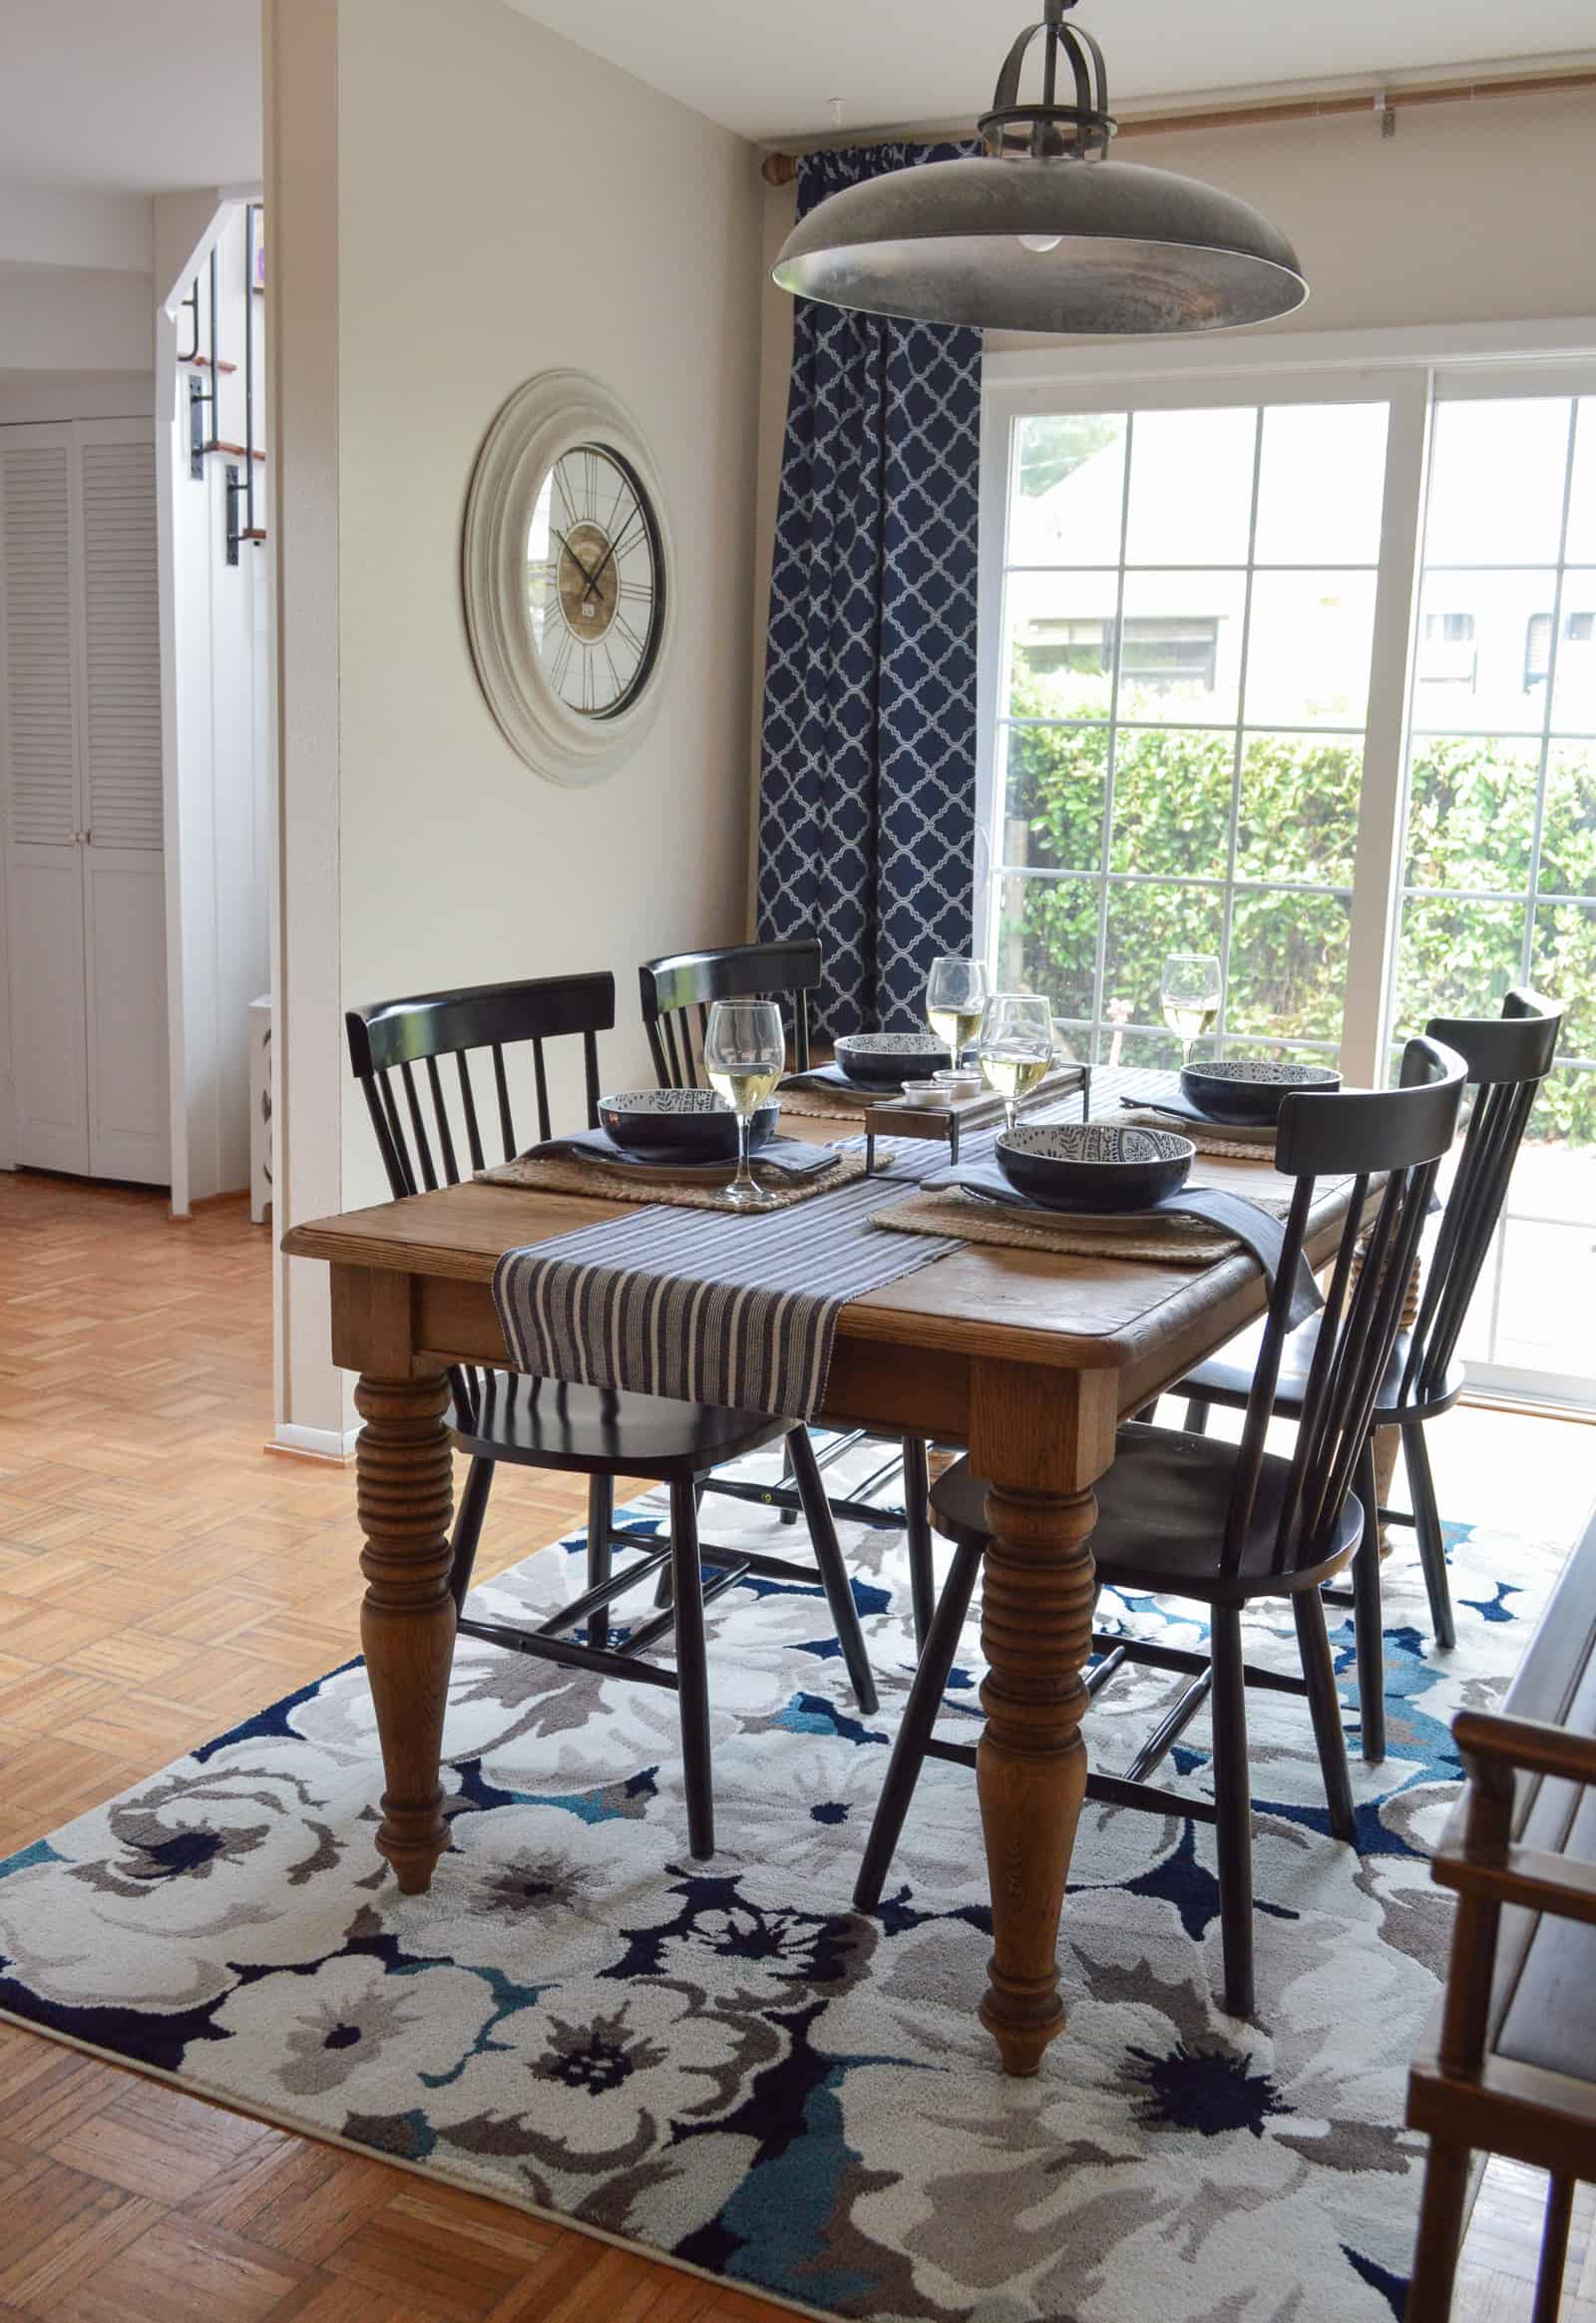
x=724 y=2063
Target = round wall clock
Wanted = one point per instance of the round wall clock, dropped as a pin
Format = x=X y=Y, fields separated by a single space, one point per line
x=566 y=574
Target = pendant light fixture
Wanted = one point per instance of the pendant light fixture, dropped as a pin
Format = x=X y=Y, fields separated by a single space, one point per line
x=1041 y=232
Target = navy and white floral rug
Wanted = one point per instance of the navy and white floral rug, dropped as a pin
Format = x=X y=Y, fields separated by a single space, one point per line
x=726 y=2064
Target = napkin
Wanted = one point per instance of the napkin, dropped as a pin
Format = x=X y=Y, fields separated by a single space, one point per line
x=789 y=1157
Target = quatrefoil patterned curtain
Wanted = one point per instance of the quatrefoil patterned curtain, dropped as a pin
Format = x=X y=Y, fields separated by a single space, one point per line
x=868 y=764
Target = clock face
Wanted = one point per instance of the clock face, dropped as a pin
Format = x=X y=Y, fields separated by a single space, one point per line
x=596 y=584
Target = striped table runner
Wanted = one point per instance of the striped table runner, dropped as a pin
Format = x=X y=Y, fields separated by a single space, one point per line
x=713 y=1307
x=709 y=1307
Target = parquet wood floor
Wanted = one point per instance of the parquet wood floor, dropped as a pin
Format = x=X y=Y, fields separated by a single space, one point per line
x=161 y=1575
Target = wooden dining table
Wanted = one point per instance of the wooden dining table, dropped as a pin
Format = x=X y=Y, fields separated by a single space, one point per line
x=1031 y=1359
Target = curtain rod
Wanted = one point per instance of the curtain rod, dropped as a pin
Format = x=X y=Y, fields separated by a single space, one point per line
x=780 y=169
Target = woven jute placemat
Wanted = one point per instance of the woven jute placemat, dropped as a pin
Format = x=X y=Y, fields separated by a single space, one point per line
x=1168 y=1238
x=1205 y=1140
x=834 y=1105
x=622 y=1185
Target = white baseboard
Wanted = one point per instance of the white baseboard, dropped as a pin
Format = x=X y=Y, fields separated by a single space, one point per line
x=316 y=1443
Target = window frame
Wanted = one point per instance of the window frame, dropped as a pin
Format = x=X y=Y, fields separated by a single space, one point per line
x=1377 y=860
x=1413 y=371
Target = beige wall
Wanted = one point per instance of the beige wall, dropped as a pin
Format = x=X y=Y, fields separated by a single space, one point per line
x=549 y=211
x=505 y=204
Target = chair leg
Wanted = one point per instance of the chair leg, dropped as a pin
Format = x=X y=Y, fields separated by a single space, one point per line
x=1324 y=1704
x=600 y=1524
x=1440 y=2233
x=467 y=1528
x=1197 y=1410
x=1368 y=1624
x=1233 y=1799
x=789 y=1473
x=693 y=1672
x=1553 y=2252
x=920 y=1716
x=833 y=1572
x=917 y=1517
x=663 y=1585
x=1426 y=1523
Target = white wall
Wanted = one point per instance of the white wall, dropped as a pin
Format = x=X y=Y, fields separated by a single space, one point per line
x=468 y=258
x=74 y=318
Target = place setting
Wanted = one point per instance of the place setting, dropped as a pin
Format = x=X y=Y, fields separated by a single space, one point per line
x=1121 y=1188
x=676 y=1145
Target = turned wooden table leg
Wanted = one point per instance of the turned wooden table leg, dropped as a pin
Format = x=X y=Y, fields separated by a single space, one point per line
x=407 y=1624
x=1030 y=1767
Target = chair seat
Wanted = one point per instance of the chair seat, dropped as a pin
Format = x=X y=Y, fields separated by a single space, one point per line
x=1228 y=1378
x=1161 y=1512
x=551 y=1423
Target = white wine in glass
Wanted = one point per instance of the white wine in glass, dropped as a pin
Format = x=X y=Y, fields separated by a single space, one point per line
x=1013 y=1073
x=744 y=1088
x=1192 y=990
x=1015 y=1047
x=745 y=1051
x=955 y=994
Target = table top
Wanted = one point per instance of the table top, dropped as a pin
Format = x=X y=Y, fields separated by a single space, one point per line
x=1071 y=1313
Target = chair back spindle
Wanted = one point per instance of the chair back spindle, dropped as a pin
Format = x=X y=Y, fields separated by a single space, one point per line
x=420 y=1133
x=676 y=993
x=1507 y=1057
x=1394 y=1135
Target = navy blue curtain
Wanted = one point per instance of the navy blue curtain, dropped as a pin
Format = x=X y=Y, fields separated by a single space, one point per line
x=868 y=761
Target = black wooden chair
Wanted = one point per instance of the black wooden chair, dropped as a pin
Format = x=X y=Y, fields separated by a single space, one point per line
x=1507 y=1057
x=1185 y=1515
x=676 y=993
x=397 y=1048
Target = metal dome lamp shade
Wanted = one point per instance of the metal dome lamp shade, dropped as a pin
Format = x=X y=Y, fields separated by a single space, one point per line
x=1041 y=232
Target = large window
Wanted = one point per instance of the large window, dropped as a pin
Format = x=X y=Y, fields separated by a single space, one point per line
x=1188 y=608
x=1499 y=860
x=1306 y=677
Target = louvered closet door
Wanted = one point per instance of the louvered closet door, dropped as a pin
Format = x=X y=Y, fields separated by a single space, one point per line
x=123 y=866
x=41 y=795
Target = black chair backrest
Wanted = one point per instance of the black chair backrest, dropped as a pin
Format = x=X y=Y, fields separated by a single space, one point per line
x=1400 y=1135
x=1508 y=1056
x=676 y=993
x=389 y=1041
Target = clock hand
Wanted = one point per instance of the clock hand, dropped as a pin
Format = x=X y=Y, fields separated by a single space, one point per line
x=589 y=578
x=613 y=545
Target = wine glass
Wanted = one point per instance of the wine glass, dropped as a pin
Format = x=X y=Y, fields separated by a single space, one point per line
x=954 y=997
x=1192 y=990
x=745 y=1049
x=1015 y=1047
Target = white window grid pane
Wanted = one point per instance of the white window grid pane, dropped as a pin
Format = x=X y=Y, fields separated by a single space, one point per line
x=1228 y=882
x=1543 y=734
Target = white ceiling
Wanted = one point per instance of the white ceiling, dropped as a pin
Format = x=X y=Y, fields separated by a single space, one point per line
x=130 y=96
x=138 y=96
x=769 y=71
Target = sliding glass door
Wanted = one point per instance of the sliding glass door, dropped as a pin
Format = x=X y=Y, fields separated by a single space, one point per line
x=1306 y=677
x=1499 y=862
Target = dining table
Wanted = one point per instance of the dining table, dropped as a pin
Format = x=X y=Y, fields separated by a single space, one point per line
x=1031 y=1359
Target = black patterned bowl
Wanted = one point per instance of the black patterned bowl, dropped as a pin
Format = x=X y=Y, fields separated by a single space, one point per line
x=1093 y=1165
x=885 y=1061
x=1252 y=1091
x=682 y=1124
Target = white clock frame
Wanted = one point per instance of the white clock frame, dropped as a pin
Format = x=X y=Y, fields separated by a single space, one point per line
x=546 y=418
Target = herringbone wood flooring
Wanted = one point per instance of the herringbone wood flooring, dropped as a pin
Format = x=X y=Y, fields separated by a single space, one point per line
x=161 y=1575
